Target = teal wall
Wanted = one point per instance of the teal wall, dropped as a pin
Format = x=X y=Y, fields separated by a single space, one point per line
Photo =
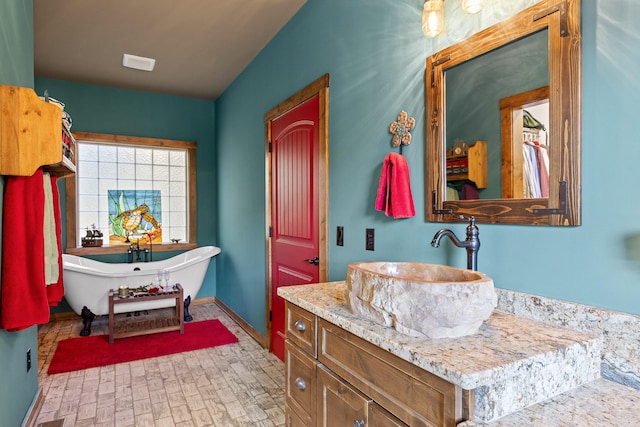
x=375 y=54
x=104 y=109
x=18 y=387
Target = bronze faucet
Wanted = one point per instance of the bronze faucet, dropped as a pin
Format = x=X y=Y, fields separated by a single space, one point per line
x=471 y=244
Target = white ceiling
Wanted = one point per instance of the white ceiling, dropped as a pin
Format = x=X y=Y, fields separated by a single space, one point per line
x=200 y=46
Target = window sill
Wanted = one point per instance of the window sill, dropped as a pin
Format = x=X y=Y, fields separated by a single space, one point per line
x=121 y=249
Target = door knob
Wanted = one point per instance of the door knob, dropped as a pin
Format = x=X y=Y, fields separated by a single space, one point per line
x=314 y=261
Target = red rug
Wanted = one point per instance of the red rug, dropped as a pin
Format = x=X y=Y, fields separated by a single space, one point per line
x=90 y=352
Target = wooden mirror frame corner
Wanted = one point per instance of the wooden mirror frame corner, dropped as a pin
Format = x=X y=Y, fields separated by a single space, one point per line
x=563 y=206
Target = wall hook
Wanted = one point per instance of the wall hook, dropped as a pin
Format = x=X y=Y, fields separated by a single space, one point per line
x=401 y=130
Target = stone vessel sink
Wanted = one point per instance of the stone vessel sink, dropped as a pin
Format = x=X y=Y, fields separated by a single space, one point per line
x=421 y=300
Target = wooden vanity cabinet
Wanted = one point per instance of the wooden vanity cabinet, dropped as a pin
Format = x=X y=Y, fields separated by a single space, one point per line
x=340 y=379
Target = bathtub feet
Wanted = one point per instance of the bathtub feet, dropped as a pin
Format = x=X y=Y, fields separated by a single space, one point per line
x=187 y=316
x=87 y=318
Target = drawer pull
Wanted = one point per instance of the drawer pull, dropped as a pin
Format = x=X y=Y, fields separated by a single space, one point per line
x=358 y=423
x=300 y=384
x=299 y=325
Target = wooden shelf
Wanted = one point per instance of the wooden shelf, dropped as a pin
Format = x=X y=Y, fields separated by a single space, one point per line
x=475 y=163
x=30 y=134
x=62 y=169
x=175 y=323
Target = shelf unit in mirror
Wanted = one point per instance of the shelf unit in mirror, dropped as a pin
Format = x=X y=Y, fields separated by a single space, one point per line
x=469 y=166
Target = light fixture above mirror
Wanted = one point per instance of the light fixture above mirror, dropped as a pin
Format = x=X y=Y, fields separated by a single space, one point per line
x=472 y=6
x=433 y=17
x=433 y=14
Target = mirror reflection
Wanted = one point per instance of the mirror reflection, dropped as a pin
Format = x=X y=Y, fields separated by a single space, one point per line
x=474 y=92
x=503 y=120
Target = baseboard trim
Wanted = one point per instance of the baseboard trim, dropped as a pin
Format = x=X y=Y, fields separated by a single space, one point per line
x=34 y=409
x=204 y=300
x=65 y=315
x=261 y=339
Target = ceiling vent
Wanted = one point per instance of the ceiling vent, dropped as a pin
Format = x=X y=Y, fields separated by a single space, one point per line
x=138 y=62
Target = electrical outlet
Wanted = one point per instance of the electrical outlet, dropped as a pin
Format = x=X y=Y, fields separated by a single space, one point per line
x=340 y=236
x=28 y=360
x=370 y=240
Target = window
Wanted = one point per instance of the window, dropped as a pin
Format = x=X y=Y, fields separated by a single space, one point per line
x=131 y=189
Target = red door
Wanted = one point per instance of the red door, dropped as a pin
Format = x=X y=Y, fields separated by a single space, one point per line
x=294 y=204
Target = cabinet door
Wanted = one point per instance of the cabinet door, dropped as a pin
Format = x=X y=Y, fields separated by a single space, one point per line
x=339 y=404
x=300 y=385
x=379 y=417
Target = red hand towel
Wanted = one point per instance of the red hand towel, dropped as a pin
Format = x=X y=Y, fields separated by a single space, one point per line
x=394 y=190
x=23 y=300
x=55 y=291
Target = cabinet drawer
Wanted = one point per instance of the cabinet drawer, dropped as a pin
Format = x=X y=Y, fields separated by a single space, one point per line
x=301 y=328
x=415 y=396
x=300 y=384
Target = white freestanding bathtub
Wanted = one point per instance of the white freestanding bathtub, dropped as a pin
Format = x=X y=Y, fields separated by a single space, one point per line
x=87 y=282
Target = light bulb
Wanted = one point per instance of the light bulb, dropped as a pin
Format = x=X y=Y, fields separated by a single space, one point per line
x=472 y=6
x=433 y=17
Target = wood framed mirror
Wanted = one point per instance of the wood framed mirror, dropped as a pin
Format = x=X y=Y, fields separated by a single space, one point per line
x=543 y=44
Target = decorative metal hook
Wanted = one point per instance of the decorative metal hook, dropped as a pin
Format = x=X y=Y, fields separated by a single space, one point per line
x=401 y=130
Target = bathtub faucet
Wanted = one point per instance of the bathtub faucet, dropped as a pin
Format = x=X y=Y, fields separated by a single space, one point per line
x=471 y=244
x=137 y=251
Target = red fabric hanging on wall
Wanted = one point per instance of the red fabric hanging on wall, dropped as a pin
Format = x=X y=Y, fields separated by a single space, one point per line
x=23 y=295
x=394 y=189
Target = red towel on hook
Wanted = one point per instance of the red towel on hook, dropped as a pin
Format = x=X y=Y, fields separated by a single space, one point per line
x=55 y=291
x=23 y=294
x=394 y=190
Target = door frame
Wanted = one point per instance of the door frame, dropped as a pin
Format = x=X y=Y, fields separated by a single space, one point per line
x=320 y=88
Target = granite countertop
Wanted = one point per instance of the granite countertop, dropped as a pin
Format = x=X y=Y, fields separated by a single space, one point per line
x=596 y=404
x=505 y=345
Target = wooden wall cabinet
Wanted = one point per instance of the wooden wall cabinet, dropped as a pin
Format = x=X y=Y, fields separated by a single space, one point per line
x=340 y=379
x=30 y=134
x=471 y=166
